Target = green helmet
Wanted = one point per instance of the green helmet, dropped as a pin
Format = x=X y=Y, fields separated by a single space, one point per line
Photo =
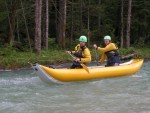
x=107 y=37
x=83 y=39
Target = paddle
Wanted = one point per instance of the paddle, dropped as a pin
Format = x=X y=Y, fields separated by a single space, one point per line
x=96 y=57
x=84 y=66
x=130 y=56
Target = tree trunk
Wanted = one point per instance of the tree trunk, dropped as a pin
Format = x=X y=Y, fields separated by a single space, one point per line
x=81 y=26
x=27 y=31
x=128 y=24
x=47 y=25
x=62 y=23
x=89 y=25
x=122 y=25
x=37 y=39
x=12 y=21
x=72 y=23
x=18 y=29
x=56 y=21
x=99 y=19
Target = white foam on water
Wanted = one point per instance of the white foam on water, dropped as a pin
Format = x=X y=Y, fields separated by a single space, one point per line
x=138 y=76
x=23 y=92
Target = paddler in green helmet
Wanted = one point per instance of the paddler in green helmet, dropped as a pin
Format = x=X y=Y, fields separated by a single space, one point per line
x=82 y=53
x=110 y=52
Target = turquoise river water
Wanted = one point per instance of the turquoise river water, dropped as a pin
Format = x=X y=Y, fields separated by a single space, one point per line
x=21 y=91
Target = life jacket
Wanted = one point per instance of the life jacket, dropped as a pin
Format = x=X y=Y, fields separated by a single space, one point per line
x=113 y=57
x=79 y=53
x=112 y=53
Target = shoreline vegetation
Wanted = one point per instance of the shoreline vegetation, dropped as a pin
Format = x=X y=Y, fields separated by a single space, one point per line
x=12 y=59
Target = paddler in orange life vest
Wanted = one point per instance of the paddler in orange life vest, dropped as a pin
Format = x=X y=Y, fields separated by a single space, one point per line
x=110 y=52
x=82 y=53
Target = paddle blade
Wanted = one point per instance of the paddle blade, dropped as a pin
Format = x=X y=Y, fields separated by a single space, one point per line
x=85 y=67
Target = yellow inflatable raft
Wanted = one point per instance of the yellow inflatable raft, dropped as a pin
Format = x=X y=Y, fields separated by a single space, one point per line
x=95 y=72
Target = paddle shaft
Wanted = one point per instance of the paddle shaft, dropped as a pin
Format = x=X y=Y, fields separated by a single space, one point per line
x=72 y=56
x=84 y=66
x=130 y=56
x=96 y=57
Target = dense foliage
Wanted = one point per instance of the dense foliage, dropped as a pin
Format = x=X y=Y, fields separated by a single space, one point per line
x=17 y=21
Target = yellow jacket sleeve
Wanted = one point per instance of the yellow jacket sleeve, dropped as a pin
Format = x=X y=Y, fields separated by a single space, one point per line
x=87 y=56
x=109 y=47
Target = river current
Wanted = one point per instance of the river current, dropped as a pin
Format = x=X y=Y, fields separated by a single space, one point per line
x=21 y=91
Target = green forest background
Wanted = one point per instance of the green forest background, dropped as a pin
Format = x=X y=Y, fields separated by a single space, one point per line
x=92 y=18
